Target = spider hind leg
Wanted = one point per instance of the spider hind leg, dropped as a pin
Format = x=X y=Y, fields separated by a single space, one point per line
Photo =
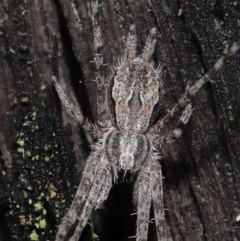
x=142 y=200
x=148 y=188
x=93 y=190
x=157 y=197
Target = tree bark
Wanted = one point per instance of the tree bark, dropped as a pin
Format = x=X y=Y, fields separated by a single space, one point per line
x=201 y=169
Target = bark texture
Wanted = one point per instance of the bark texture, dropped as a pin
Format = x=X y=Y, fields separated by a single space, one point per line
x=37 y=164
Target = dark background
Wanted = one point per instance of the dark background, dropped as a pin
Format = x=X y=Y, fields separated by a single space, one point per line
x=37 y=165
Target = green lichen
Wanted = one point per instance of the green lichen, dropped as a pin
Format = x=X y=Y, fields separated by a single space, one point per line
x=198 y=187
x=235 y=3
x=34 y=236
x=42 y=223
x=38 y=206
x=95 y=237
x=24 y=222
x=230 y=118
x=226 y=49
x=20 y=150
x=26 y=123
x=43 y=87
x=24 y=99
x=53 y=194
x=20 y=142
x=229 y=174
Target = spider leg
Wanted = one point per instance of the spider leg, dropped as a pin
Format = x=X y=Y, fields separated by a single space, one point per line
x=147 y=188
x=142 y=200
x=157 y=195
x=98 y=59
x=193 y=90
x=149 y=46
x=93 y=190
x=98 y=193
x=147 y=56
x=64 y=100
x=186 y=115
x=131 y=45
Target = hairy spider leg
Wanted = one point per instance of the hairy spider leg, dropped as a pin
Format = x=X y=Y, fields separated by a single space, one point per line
x=70 y=108
x=194 y=89
x=93 y=190
x=177 y=131
x=157 y=197
x=149 y=46
x=149 y=188
x=131 y=45
x=147 y=57
x=83 y=190
x=103 y=113
x=98 y=193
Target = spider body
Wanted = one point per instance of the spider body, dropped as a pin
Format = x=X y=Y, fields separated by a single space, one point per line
x=127 y=107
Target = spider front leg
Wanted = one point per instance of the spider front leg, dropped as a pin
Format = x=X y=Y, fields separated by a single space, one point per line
x=198 y=85
x=64 y=100
x=93 y=190
x=148 y=188
x=98 y=60
x=130 y=48
x=149 y=46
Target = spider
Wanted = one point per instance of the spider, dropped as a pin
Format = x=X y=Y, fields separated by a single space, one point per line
x=128 y=104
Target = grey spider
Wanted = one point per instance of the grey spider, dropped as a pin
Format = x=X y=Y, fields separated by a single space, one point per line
x=127 y=106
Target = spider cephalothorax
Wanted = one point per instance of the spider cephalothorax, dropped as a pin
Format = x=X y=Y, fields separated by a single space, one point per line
x=128 y=107
x=135 y=93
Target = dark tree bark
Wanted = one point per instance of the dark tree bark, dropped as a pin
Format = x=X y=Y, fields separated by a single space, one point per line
x=38 y=172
